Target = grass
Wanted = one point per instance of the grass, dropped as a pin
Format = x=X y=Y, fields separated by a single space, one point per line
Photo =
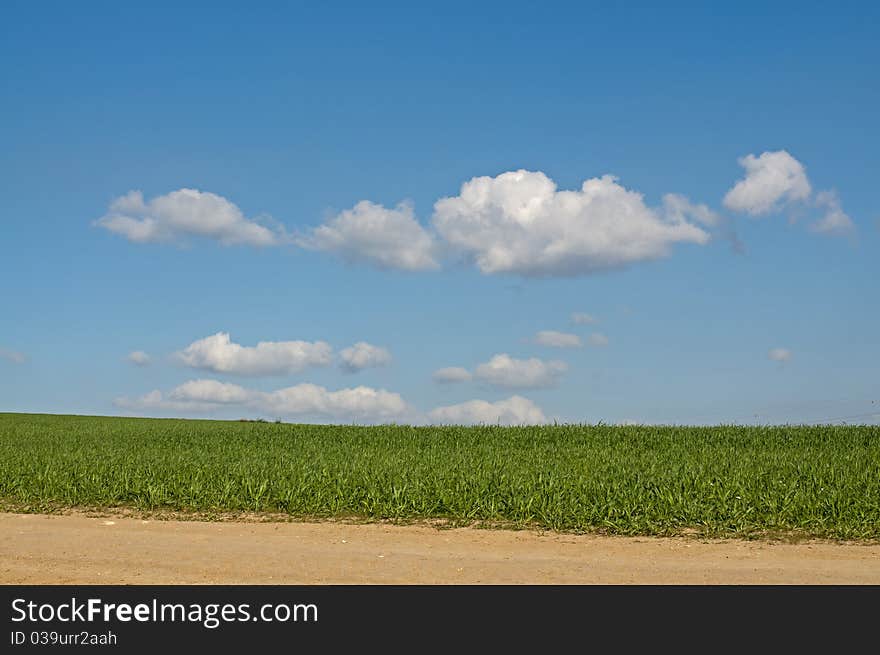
x=811 y=481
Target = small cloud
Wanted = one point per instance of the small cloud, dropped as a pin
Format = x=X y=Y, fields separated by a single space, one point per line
x=579 y=318
x=363 y=355
x=554 y=339
x=515 y=410
x=219 y=354
x=835 y=221
x=772 y=180
x=451 y=375
x=373 y=234
x=598 y=340
x=775 y=180
x=781 y=355
x=138 y=358
x=185 y=213
x=508 y=373
x=12 y=356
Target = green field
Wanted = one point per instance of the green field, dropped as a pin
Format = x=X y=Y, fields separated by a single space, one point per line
x=720 y=480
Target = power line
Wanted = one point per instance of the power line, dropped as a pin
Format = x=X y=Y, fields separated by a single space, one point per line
x=824 y=420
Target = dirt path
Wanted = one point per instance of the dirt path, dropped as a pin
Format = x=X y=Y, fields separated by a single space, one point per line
x=83 y=549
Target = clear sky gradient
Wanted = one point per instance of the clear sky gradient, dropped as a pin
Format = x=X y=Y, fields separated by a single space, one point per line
x=753 y=305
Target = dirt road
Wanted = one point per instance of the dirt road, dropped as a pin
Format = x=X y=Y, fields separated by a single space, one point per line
x=83 y=549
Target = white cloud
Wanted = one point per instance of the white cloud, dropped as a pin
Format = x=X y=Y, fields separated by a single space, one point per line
x=598 y=340
x=516 y=410
x=300 y=401
x=509 y=373
x=212 y=391
x=779 y=355
x=156 y=400
x=184 y=213
x=451 y=375
x=579 y=318
x=363 y=355
x=371 y=233
x=12 y=356
x=555 y=339
x=772 y=179
x=518 y=222
x=219 y=354
x=834 y=221
x=138 y=358
x=358 y=402
x=680 y=208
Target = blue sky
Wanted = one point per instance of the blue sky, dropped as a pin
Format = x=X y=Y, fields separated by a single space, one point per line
x=750 y=295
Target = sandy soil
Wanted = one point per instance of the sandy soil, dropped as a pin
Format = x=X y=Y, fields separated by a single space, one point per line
x=112 y=550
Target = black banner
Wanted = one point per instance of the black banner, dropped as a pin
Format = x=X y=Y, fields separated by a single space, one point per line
x=415 y=618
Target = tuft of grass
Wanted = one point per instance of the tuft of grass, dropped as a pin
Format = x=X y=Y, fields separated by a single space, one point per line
x=809 y=481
